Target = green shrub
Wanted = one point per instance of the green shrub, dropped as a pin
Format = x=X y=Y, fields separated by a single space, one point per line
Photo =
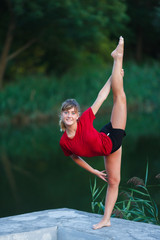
x=39 y=93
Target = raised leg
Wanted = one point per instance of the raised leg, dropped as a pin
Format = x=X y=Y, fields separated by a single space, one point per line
x=119 y=111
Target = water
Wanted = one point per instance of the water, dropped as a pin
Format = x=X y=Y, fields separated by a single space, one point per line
x=35 y=174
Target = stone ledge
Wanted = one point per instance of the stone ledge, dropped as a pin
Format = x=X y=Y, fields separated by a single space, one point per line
x=70 y=224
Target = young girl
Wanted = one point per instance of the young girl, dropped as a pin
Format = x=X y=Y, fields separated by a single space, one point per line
x=81 y=139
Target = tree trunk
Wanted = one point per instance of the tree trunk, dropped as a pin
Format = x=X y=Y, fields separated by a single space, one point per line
x=7 y=45
x=3 y=60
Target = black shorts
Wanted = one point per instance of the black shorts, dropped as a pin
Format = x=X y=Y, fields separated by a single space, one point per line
x=115 y=134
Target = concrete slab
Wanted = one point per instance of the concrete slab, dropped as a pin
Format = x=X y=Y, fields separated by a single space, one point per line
x=41 y=234
x=70 y=224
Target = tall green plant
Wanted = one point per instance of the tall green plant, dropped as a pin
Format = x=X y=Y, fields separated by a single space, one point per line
x=97 y=206
x=136 y=203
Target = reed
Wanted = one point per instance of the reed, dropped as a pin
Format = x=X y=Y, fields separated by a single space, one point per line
x=134 y=202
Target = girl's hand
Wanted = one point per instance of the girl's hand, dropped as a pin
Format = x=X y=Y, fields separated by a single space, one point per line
x=101 y=174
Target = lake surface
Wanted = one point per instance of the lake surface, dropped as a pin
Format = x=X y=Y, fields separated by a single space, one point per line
x=35 y=174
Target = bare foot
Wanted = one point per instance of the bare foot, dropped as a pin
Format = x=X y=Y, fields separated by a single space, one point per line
x=118 y=52
x=101 y=224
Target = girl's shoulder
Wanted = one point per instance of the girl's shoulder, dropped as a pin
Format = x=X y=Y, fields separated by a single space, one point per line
x=87 y=115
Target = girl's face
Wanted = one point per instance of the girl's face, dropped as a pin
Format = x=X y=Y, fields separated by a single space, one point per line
x=69 y=117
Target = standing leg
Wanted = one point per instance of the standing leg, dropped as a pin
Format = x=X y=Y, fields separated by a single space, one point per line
x=118 y=120
x=113 y=168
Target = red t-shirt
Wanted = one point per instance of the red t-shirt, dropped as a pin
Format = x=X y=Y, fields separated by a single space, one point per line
x=87 y=142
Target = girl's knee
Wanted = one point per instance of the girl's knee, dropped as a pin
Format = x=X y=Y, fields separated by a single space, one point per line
x=120 y=97
x=114 y=181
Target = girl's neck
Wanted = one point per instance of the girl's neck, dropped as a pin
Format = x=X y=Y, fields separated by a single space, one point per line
x=71 y=130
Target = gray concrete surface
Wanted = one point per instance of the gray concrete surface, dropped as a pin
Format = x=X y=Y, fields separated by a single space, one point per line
x=70 y=224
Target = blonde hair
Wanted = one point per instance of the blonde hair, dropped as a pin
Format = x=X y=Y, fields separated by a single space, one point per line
x=66 y=105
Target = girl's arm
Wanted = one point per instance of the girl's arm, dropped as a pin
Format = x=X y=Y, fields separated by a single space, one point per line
x=86 y=166
x=102 y=95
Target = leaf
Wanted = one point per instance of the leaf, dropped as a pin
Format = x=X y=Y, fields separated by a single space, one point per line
x=129 y=204
x=92 y=206
x=94 y=186
x=146 y=177
x=90 y=185
x=137 y=191
x=156 y=208
x=102 y=206
x=100 y=191
x=149 y=211
x=144 y=187
x=94 y=193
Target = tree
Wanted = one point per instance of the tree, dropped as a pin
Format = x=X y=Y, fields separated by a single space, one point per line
x=61 y=29
x=144 y=36
x=24 y=20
